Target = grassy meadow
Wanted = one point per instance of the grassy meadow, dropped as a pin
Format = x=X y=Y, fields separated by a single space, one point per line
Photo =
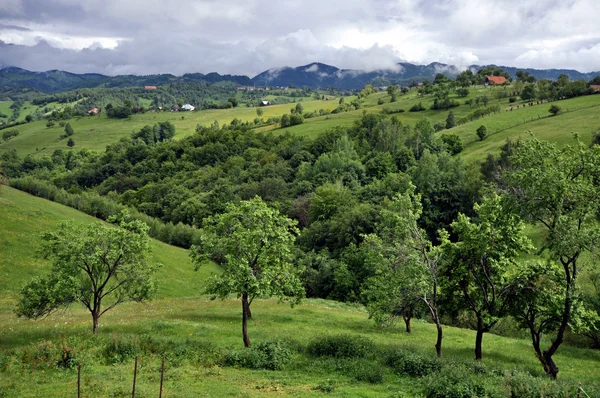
x=196 y=333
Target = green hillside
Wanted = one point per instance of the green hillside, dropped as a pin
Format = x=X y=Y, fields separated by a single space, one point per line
x=24 y=218
x=213 y=328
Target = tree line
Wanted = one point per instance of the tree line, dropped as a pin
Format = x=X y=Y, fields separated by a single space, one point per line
x=378 y=213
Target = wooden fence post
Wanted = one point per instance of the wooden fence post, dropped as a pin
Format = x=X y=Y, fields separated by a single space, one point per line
x=134 y=377
x=162 y=376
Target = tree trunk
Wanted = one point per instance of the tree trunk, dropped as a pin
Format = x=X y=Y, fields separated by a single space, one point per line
x=549 y=365
x=248 y=311
x=478 y=340
x=95 y=320
x=407 y=323
x=438 y=344
x=245 y=310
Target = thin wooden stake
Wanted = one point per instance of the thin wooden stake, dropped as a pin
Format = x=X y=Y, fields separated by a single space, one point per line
x=134 y=377
x=579 y=390
x=78 y=381
x=162 y=376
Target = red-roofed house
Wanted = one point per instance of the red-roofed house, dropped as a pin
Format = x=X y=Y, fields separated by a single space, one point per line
x=495 y=80
x=595 y=87
x=93 y=111
x=150 y=87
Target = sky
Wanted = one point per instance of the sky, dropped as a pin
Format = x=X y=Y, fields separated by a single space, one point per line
x=249 y=36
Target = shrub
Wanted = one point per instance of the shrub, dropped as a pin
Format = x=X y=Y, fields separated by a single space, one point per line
x=42 y=355
x=271 y=355
x=512 y=99
x=120 y=348
x=457 y=382
x=367 y=371
x=411 y=364
x=341 y=346
x=482 y=132
x=554 y=110
x=523 y=385
x=417 y=107
x=10 y=134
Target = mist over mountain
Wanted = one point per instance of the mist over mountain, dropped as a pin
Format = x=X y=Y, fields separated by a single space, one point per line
x=313 y=75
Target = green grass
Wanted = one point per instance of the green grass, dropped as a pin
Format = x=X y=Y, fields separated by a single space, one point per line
x=581 y=119
x=181 y=316
x=24 y=218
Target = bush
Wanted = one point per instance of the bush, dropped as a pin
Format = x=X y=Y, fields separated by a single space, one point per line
x=481 y=132
x=10 y=134
x=120 y=348
x=341 y=346
x=271 y=355
x=512 y=99
x=368 y=372
x=411 y=364
x=523 y=385
x=457 y=382
x=417 y=107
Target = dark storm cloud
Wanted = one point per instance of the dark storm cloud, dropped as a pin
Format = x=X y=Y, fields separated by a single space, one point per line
x=231 y=36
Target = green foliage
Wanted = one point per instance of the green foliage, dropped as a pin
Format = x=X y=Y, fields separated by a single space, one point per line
x=556 y=188
x=453 y=143
x=523 y=385
x=481 y=132
x=270 y=355
x=120 y=349
x=479 y=263
x=410 y=363
x=456 y=382
x=528 y=92
x=9 y=134
x=69 y=130
x=450 y=122
x=70 y=143
x=554 y=110
x=92 y=265
x=256 y=243
x=417 y=107
x=341 y=346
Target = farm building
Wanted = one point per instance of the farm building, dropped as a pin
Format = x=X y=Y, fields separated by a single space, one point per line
x=188 y=107
x=93 y=111
x=150 y=87
x=595 y=87
x=495 y=80
x=265 y=103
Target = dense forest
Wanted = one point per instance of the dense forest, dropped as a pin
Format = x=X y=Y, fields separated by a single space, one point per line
x=360 y=192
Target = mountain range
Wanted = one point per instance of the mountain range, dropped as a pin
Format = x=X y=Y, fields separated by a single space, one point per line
x=314 y=75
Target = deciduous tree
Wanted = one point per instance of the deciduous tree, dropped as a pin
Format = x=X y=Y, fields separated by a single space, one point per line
x=97 y=265
x=557 y=189
x=256 y=243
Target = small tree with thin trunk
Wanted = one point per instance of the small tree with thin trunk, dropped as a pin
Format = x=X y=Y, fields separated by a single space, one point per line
x=480 y=262
x=557 y=189
x=256 y=243
x=554 y=110
x=97 y=265
x=407 y=264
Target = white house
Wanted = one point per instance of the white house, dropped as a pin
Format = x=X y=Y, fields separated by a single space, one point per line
x=187 y=107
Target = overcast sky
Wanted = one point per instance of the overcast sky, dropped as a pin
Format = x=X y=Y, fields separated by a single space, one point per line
x=249 y=36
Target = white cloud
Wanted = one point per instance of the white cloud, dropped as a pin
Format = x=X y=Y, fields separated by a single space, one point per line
x=229 y=36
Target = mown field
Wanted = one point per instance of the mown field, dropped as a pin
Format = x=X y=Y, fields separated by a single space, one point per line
x=97 y=132
x=196 y=333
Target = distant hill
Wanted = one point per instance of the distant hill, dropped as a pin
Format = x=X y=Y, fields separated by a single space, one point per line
x=55 y=81
x=314 y=75
x=321 y=75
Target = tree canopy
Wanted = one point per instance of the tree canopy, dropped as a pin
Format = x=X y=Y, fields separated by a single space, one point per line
x=254 y=244
x=97 y=265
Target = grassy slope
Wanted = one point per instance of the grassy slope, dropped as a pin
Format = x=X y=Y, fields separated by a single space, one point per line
x=177 y=318
x=23 y=218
